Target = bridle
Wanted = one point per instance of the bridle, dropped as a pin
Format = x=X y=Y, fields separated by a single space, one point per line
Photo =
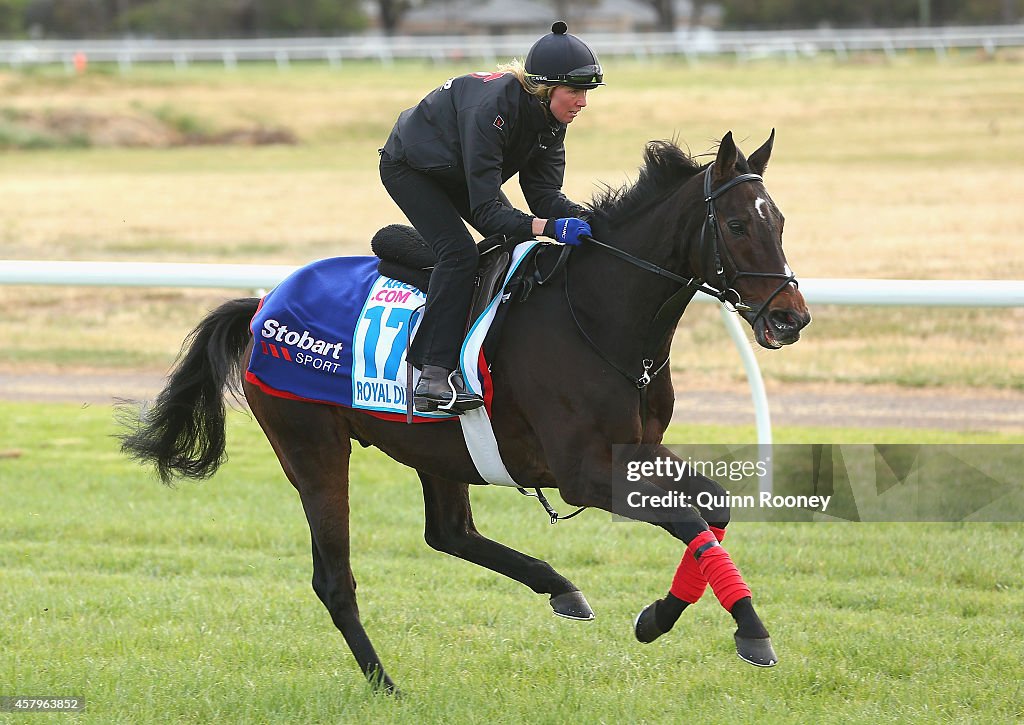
x=710 y=253
x=713 y=253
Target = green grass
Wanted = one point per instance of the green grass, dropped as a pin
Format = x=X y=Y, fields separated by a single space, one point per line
x=193 y=605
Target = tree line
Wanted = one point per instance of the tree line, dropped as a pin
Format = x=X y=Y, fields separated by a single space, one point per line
x=179 y=18
x=254 y=18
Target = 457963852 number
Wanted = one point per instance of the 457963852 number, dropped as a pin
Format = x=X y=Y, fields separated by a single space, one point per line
x=43 y=703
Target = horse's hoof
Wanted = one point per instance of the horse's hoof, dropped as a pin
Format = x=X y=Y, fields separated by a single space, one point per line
x=381 y=684
x=758 y=652
x=645 y=626
x=572 y=605
x=391 y=691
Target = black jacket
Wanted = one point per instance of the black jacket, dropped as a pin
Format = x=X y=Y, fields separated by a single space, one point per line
x=472 y=135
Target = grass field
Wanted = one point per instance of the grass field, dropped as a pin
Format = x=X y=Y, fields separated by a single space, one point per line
x=194 y=605
x=904 y=169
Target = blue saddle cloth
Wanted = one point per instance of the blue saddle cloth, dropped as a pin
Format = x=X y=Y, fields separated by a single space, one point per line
x=336 y=331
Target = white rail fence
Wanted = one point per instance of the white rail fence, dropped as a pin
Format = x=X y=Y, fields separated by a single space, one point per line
x=690 y=44
x=887 y=292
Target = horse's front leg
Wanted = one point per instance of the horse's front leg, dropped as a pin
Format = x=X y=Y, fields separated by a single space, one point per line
x=449 y=528
x=605 y=482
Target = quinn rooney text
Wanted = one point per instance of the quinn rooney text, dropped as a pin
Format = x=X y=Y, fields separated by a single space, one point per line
x=705 y=499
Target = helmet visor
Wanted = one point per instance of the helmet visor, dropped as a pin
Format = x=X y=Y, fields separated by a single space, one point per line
x=587 y=76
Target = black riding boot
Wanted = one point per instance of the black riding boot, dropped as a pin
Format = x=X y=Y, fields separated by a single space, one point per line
x=444 y=390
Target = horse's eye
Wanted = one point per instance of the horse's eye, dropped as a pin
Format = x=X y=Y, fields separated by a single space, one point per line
x=736 y=227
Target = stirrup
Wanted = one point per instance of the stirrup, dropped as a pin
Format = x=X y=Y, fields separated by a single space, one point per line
x=456 y=399
x=462 y=400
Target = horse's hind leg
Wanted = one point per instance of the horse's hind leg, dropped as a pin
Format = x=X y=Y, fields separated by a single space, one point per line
x=450 y=528
x=337 y=590
x=312 y=443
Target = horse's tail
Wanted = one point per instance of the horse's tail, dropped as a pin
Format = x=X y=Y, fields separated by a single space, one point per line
x=183 y=433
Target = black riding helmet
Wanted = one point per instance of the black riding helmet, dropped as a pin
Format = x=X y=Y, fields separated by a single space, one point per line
x=562 y=59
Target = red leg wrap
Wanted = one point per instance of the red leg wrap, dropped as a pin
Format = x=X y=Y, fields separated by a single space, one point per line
x=689 y=583
x=717 y=567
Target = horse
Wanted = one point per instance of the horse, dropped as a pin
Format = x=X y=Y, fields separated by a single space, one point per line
x=583 y=366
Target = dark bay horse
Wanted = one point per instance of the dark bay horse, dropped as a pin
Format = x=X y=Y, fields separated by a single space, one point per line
x=577 y=374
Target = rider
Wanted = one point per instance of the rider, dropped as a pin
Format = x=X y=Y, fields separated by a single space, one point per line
x=445 y=162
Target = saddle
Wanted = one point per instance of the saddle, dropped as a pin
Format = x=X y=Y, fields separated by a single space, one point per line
x=405 y=256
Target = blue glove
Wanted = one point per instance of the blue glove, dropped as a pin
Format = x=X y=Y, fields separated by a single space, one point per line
x=569 y=230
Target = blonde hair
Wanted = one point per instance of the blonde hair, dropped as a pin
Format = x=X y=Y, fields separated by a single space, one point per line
x=518 y=69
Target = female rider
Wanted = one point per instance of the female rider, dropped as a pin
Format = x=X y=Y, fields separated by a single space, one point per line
x=445 y=162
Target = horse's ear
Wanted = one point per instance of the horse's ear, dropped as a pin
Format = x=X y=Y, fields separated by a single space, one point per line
x=725 y=162
x=759 y=159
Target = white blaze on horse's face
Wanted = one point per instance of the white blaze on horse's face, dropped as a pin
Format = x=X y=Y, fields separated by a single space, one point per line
x=759 y=205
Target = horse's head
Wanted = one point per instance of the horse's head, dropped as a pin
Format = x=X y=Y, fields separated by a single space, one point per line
x=740 y=250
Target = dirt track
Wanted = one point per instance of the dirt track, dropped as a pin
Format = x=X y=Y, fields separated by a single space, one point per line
x=863 y=407
x=808 y=405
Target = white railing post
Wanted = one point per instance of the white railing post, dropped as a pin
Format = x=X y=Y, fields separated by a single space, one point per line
x=744 y=45
x=762 y=417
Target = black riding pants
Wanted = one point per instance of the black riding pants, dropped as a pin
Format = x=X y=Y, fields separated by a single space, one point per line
x=437 y=214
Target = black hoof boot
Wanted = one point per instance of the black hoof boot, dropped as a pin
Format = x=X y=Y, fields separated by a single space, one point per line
x=758 y=652
x=572 y=605
x=645 y=626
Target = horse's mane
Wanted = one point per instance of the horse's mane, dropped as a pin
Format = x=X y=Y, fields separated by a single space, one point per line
x=666 y=167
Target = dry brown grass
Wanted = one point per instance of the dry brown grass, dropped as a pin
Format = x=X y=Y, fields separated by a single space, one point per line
x=913 y=169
